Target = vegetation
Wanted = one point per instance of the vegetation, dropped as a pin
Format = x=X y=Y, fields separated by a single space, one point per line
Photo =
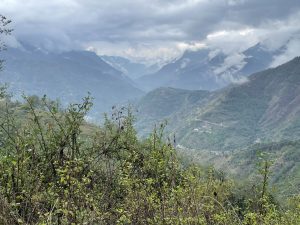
x=264 y=109
x=4 y=30
x=57 y=169
x=241 y=164
x=166 y=103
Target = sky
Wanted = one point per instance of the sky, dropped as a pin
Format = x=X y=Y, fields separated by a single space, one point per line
x=156 y=30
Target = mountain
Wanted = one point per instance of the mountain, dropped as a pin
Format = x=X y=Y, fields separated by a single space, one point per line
x=192 y=71
x=264 y=109
x=257 y=58
x=205 y=70
x=68 y=76
x=132 y=69
x=159 y=104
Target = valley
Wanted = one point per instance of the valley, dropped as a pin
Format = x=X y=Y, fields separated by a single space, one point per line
x=212 y=127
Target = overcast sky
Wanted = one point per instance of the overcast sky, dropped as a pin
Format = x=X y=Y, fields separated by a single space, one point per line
x=155 y=29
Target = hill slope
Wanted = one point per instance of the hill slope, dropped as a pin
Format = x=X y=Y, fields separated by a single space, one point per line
x=284 y=157
x=164 y=104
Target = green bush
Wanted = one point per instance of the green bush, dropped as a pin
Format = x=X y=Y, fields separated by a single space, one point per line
x=57 y=169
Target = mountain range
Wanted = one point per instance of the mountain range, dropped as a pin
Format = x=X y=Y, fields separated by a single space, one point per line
x=207 y=69
x=220 y=109
x=263 y=109
x=69 y=76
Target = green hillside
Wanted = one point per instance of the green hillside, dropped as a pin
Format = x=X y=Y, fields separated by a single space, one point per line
x=264 y=109
x=242 y=164
x=162 y=104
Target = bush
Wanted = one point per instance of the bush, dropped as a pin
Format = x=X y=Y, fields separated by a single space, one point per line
x=57 y=169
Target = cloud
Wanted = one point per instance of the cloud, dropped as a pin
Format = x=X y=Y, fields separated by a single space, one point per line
x=227 y=72
x=150 y=29
x=291 y=51
x=148 y=53
x=232 y=41
x=234 y=62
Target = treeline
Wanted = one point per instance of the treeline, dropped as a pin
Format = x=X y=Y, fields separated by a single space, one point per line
x=57 y=169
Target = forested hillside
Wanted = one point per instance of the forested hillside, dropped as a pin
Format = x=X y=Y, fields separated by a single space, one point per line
x=241 y=164
x=161 y=104
x=262 y=110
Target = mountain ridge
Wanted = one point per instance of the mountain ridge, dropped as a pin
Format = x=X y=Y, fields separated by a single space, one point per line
x=200 y=69
x=68 y=75
x=264 y=108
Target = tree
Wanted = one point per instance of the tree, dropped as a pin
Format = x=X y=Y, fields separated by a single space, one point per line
x=4 y=30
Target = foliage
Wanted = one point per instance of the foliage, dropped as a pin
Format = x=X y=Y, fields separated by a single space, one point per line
x=4 y=30
x=57 y=169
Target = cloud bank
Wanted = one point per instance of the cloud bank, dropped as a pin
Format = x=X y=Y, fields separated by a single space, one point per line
x=155 y=30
